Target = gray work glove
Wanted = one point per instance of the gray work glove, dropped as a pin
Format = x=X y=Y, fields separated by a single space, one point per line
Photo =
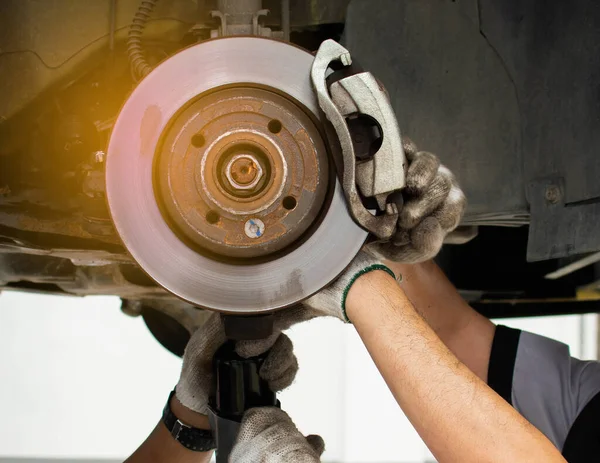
x=194 y=387
x=433 y=206
x=268 y=435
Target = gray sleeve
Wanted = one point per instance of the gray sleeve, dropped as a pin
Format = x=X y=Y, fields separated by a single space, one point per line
x=550 y=388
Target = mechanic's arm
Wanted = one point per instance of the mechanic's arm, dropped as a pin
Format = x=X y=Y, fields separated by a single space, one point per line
x=458 y=416
x=160 y=447
x=468 y=334
x=433 y=205
x=558 y=394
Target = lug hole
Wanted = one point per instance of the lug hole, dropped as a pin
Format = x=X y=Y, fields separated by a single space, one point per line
x=275 y=126
x=289 y=202
x=212 y=217
x=198 y=140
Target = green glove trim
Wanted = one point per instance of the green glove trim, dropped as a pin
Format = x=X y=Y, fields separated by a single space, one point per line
x=356 y=276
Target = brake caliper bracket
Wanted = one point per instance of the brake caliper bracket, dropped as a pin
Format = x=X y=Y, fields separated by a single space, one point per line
x=384 y=172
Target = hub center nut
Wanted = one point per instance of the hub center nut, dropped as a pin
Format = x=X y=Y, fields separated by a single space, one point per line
x=243 y=172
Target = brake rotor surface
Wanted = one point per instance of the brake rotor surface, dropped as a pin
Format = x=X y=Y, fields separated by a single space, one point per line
x=217 y=175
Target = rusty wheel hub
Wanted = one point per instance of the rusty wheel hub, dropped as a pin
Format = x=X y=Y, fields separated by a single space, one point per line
x=239 y=156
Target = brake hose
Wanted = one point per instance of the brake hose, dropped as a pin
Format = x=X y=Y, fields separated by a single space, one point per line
x=139 y=66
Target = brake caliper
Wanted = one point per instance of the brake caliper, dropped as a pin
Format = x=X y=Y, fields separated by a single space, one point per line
x=346 y=102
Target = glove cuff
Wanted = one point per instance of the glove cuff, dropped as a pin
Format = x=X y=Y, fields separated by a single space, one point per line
x=355 y=277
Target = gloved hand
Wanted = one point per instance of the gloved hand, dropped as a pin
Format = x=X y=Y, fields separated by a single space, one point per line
x=433 y=205
x=331 y=301
x=268 y=435
x=194 y=386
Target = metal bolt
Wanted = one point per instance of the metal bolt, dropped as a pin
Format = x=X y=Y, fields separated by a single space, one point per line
x=243 y=172
x=254 y=228
x=553 y=194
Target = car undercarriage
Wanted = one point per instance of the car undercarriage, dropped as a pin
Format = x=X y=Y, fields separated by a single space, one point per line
x=505 y=92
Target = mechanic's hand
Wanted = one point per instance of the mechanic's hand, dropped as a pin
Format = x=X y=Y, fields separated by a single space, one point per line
x=268 y=435
x=194 y=386
x=433 y=207
x=331 y=301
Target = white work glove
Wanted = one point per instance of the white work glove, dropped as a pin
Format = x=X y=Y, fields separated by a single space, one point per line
x=331 y=301
x=268 y=435
x=433 y=206
x=194 y=387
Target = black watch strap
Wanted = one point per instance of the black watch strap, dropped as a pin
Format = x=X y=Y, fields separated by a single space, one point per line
x=198 y=440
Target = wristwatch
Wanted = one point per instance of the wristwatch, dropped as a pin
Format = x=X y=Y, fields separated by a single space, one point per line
x=198 y=440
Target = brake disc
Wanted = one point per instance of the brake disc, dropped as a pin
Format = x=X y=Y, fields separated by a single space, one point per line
x=218 y=178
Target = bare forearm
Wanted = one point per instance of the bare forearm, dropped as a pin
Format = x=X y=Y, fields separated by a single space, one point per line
x=457 y=415
x=160 y=447
x=465 y=332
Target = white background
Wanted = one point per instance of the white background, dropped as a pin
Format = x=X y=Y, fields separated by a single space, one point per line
x=89 y=382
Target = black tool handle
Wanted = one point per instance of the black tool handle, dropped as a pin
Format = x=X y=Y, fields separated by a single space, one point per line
x=238 y=387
